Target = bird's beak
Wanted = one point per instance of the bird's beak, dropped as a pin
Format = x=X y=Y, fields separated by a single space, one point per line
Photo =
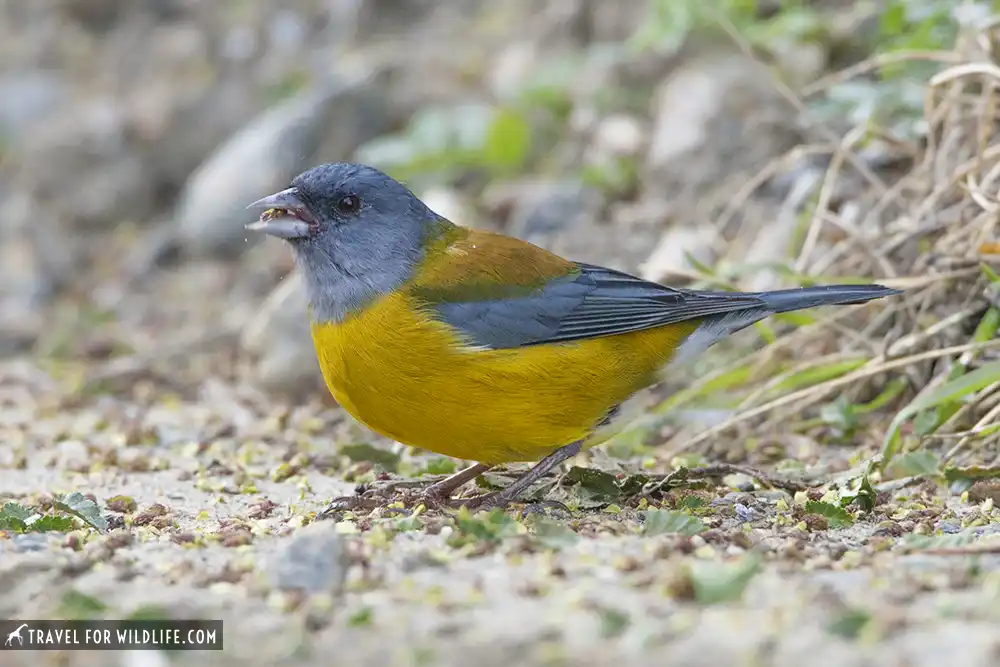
x=285 y=216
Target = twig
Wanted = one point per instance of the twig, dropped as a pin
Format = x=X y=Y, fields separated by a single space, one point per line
x=826 y=194
x=989 y=418
x=875 y=63
x=971 y=550
x=800 y=106
x=815 y=393
x=719 y=470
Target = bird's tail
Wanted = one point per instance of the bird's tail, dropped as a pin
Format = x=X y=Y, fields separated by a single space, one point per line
x=720 y=325
x=786 y=300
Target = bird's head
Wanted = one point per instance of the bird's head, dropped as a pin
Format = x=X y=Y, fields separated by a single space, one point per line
x=356 y=233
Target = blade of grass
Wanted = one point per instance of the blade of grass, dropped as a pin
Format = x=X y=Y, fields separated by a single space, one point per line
x=812 y=394
x=722 y=381
x=818 y=374
x=953 y=390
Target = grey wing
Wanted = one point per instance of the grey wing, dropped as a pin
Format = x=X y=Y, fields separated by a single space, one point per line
x=592 y=303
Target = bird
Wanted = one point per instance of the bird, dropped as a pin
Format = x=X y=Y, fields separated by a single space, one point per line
x=481 y=346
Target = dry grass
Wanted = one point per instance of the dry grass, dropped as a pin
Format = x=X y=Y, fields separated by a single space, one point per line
x=930 y=229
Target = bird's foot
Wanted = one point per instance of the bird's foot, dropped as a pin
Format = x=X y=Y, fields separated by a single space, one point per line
x=363 y=499
x=485 y=501
x=500 y=500
x=374 y=497
x=431 y=498
x=504 y=497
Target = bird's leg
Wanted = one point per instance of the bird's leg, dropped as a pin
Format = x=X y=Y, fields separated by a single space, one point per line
x=504 y=496
x=433 y=495
x=439 y=492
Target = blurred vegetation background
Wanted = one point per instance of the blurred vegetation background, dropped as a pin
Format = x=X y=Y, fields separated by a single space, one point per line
x=685 y=140
x=156 y=365
x=698 y=142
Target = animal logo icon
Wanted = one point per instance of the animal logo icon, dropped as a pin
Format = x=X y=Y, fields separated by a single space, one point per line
x=16 y=635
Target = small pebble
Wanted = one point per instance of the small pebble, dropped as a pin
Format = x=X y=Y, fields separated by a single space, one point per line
x=314 y=560
x=745 y=514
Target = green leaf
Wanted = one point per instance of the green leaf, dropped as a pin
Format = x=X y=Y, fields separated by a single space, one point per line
x=361 y=618
x=493 y=526
x=443 y=142
x=697 y=264
x=954 y=474
x=927 y=422
x=985 y=431
x=617 y=178
x=893 y=21
x=953 y=390
x=553 y=534
x=493 y=480
x=849 y=624
x=507 y=142
x=9 y=523
x=866 y=497
x=919 y=463
x=818 y=374
x=405 y=524
x=633 y=484
x=149 y=612
x=716 y=583
x=766 y=331
x=662 y=522
x=49 y=523
x=19 y=519
x=365 y=452
x=989 y=272
x=837 y=516
x=716 y=383
x=15 y=518
x=75 y=605
x=82 y=507
x=797 y=319
x=15 y=511
x=692 y=502
x=987 y=327
x=440 y=465
x=613 y=622
x=892 y=389
x=601 y=485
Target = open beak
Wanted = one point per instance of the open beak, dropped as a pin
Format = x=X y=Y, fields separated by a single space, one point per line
x=285 y=216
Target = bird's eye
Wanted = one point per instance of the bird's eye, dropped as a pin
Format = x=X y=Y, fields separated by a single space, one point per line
x=349 y=204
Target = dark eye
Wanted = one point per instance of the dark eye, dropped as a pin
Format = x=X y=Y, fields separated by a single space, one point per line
x=349 y=204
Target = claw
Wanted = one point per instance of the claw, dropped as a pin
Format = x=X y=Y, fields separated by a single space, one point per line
x=542 y=505
x=497 y=500
x=344 y=504
x=485 y=501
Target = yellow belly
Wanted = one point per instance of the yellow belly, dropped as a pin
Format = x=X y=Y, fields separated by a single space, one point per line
x=408 y=377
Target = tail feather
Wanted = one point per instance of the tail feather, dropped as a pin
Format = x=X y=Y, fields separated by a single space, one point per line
x=786 y=300
x=716 y=327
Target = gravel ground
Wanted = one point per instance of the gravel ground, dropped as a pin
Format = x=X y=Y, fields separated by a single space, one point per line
x=226 y=484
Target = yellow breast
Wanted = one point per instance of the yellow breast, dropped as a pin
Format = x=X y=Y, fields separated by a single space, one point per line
x=409 y=377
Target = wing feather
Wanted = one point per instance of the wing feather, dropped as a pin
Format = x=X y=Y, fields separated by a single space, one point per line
x=580 y=301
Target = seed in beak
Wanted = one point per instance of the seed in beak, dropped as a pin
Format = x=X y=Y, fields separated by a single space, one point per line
x=272 y=213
